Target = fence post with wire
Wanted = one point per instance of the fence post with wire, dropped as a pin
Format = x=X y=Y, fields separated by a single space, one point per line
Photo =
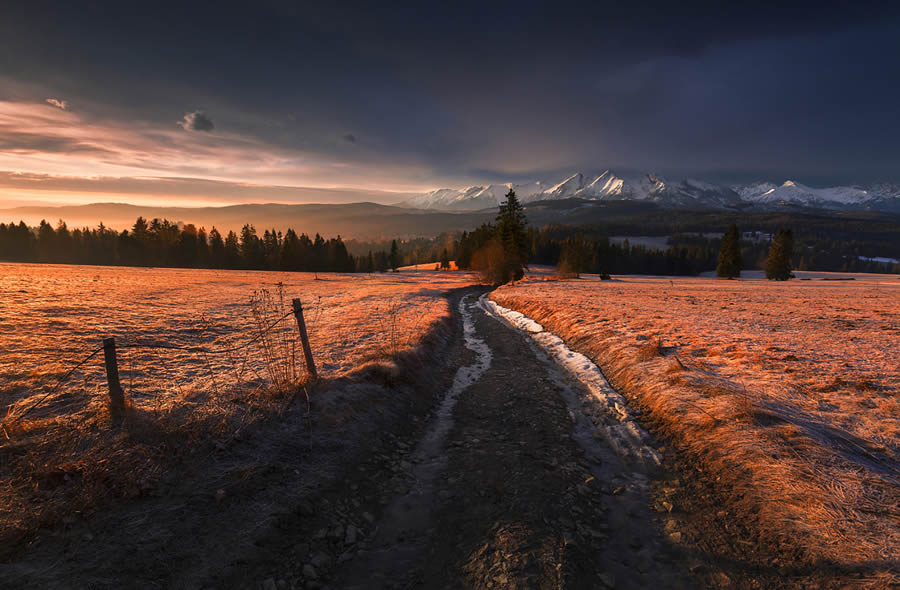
x=116 y=393
x=304 y=338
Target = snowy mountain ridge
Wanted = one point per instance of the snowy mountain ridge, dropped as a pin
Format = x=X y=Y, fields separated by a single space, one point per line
x=683 y=193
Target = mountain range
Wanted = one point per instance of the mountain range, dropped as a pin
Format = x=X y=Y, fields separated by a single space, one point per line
x=686 y=193
x=621 y=204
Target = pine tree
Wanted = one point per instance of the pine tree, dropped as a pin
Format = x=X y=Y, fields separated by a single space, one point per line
x=730 y=262
x=319 y=255
x=511 y=231
x=251 y=248
x=216 y=249
x=778 y=264
x=395 y=255
x=445 y=260
x=232 y=251
x=290 y=256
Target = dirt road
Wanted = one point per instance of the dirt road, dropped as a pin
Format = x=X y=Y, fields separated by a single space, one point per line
x=509 y=485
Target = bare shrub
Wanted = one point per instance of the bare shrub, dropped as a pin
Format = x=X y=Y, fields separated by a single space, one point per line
x=399 y=324
x=566 y=270
x=277 y=338
x=495 y=265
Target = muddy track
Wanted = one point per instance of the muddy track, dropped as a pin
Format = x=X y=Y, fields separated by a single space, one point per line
x=513 y=482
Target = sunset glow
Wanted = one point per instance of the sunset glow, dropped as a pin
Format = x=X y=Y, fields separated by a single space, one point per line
x=494 y=295
x=59 y=156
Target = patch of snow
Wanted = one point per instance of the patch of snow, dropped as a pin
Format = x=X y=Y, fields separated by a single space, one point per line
x=794 y=192
x=614 y=421
x=880 y=259
x=649 y=242
x=464 y=377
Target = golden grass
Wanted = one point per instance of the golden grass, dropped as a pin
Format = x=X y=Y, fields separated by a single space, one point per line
x=64 y=458
x=785 y=394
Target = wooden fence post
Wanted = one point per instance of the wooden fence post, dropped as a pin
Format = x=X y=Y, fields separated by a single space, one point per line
x=304 y=339
x=116 y=394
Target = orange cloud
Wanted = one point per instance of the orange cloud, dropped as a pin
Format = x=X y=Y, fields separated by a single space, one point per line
x=48 y=140
x=60 y=104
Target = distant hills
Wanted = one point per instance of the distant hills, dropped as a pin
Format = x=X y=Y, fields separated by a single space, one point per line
x=350 y=220
x=619 y=204
x=688 y=193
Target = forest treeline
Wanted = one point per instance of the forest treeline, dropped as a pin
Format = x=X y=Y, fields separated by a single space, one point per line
x=589 y=250
x=686 y=254
x=165 y=244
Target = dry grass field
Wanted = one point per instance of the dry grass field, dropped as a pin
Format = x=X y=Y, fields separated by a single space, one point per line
x=201 y=357
x=786 y=395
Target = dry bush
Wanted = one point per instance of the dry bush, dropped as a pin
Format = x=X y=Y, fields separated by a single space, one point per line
x=567 y=270
x=495 y=266
x=278 y=338
x=400 y=323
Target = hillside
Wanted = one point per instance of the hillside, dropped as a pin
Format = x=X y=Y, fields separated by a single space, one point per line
x=352 y=220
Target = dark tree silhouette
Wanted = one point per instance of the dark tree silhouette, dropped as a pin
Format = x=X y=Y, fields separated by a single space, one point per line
x=512 y=226
x=500 y=251
x=162 y=243
x=778 y=264
x=730 y=262
x=574 y=258
x=395 y=255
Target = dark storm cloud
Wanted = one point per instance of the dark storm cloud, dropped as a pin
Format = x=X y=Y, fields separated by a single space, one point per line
x=491 y=92
x=197 y=121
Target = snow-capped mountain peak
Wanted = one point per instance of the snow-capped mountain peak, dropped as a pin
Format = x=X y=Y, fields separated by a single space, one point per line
x=688 y=193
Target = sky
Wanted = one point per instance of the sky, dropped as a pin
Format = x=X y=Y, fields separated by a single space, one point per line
x=218 y=103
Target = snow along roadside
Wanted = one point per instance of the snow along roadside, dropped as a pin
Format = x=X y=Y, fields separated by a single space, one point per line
x=607 y=408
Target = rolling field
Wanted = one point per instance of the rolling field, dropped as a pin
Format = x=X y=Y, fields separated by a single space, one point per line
x=53 y=316
x=199 y=352
x=787 y=395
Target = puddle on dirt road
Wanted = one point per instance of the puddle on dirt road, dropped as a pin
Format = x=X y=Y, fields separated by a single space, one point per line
x=405 y=524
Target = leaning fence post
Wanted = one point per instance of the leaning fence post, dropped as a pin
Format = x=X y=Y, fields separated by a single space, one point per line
x=116 y=395
x=304 y=339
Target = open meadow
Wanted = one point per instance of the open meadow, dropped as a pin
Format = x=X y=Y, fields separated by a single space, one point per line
x=785 y=395
x=201 y=354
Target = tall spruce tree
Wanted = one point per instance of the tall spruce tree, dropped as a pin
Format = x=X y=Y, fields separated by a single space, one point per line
x=395 y=255
x=511 y=230
x=730 y=262
x=778 y=264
